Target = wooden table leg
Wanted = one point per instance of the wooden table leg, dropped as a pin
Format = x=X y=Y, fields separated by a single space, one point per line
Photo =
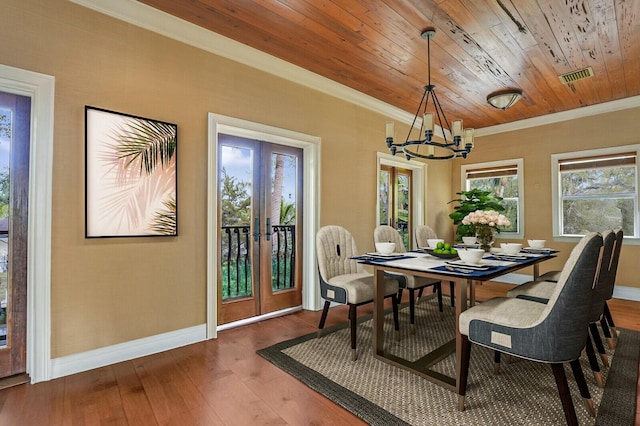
x=378 y=311
x=461 y=305
x=472 y=292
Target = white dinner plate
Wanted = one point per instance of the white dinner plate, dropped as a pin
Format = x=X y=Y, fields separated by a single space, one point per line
x=385 y=255
x=483 y=265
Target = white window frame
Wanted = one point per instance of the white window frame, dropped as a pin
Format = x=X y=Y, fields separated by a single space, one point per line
x=557 y=192
x=519 y=163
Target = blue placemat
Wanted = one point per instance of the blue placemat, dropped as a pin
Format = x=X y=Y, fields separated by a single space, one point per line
x=466 y=272
x=377 y=259
x=510 y=259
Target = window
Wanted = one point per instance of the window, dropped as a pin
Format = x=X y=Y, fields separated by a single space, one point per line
x=596 y=190
x=503 y=179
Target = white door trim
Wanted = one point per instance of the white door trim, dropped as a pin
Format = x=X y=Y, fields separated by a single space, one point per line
x=310 y=146
x=40 y=88
x=418 y=184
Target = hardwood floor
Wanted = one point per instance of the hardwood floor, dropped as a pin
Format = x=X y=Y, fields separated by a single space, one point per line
x=217 y=382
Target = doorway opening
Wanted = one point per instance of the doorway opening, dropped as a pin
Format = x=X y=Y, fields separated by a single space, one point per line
x=15 y=141
x=260 y=217
x=307 y=220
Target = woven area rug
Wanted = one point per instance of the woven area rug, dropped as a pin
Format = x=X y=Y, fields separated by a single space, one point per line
x=523 y=393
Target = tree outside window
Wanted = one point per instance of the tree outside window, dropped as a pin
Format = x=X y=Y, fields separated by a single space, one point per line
x=598 y=192
x=502 y=179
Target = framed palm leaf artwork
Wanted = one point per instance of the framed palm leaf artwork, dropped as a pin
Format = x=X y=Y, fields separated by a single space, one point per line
x=130 y=175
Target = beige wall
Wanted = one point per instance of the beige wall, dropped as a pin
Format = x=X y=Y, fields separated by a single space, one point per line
x=106 y=292
x=111 y=291
x=536 y=145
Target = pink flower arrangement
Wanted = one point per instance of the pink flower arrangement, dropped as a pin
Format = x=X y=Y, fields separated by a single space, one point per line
x=486 y=217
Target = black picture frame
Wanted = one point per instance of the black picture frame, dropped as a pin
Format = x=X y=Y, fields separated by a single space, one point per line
x=131 y=175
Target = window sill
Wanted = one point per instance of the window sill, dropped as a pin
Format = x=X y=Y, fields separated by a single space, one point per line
x=631 y=241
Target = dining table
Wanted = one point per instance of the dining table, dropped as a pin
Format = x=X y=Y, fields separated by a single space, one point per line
x=465 y=276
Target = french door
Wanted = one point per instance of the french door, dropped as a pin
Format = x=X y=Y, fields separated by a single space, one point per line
x=260 y=224
x=395 y=203
x=15 y=124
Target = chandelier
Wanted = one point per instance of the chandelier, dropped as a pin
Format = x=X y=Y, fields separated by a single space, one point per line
x=461 y=142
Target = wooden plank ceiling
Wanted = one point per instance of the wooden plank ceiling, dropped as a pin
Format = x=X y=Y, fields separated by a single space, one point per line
x=374 y=46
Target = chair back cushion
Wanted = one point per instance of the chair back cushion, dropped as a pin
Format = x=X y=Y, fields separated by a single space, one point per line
x=555 y=332
x=601 y=290
x=335 y=247
x=613 y=268
x=388 y=234
x=423 y=233
x=567 y=312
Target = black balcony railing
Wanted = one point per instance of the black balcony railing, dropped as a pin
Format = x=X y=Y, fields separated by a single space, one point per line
x=283 y=257
x=236 y=260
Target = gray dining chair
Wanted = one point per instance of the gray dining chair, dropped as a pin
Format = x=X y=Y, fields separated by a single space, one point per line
x=553 y=333
x=423 y=233
x=607 y=321
x=386 y=233
x=540 y=291
x=343 y=280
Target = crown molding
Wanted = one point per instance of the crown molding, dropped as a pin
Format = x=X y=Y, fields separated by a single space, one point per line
x=587 y=111
x=152 y=19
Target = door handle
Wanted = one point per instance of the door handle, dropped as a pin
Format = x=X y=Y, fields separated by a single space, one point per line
x=268 y=229
x=256 y=229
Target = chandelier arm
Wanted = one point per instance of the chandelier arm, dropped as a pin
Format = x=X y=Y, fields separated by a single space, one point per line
x=415 y=118
x=415 y=154
x=439 y=111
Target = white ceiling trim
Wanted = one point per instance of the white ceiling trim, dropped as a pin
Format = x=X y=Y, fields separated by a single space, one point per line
x=602 y=108
x=146 y=17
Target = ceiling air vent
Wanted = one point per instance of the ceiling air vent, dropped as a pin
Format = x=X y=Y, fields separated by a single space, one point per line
x=574 y=76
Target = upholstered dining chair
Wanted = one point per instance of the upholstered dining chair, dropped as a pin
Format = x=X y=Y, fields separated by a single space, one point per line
x=541 y=291
x=553 y=333
x=423 y=233
x=345 y=281
x=610 y=267
x=607 y=320
x=386 y=233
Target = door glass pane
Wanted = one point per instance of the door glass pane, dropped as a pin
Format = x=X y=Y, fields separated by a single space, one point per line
x=284 y=199
x=383 y=182
x=5 y=145
x=236 y=185
x=403 y=196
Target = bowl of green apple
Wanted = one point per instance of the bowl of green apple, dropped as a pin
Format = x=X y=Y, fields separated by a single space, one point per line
x=443 y=251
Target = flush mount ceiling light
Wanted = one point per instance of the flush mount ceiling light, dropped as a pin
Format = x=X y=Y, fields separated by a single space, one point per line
x=462 y=142
x=503 y=99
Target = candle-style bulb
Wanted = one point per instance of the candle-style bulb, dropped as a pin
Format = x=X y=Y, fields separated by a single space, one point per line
x=390 y=129
x=468 y=138
x=427 y=121
x=457 y=128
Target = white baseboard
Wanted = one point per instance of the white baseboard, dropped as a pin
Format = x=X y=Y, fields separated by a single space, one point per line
x=513 y=278
x=619 y=291
x=627 y=293
x=96 y=358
